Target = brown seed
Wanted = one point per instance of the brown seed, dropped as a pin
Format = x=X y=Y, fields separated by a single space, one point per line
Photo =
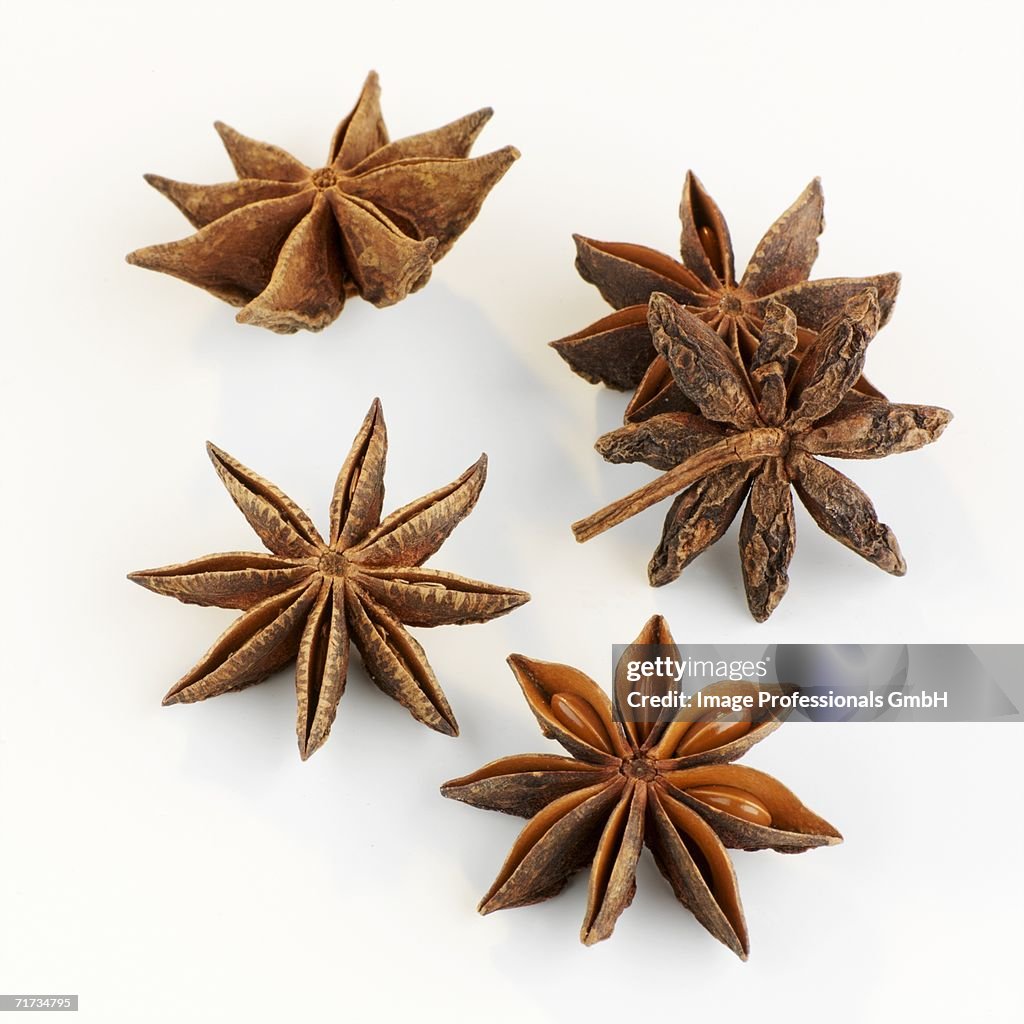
x=579 y=717
x=733 y=801
x=713 y=249
x=713 y=731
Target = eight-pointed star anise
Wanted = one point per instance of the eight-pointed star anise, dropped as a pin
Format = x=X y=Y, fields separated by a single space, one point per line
x=760 y=428
x=288 y=242
x=667 y=785
x=617 y=351
x=308 y=598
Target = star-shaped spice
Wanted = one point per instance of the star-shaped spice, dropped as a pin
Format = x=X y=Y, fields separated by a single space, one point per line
x=666 y=784
x=759 y=432
x=308 y=598
x=288 y=242
x=617 y=350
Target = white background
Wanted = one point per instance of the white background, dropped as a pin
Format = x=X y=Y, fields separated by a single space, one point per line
x=182 y=864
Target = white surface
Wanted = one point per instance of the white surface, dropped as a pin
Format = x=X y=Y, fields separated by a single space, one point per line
x=184 y=857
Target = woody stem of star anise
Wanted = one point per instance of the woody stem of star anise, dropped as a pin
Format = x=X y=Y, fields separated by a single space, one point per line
x=762 y=443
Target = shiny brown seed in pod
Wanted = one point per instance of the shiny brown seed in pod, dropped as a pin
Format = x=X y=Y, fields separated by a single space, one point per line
x=714 y=730
x=581 y=719
x=713 y=249
x=737 y=802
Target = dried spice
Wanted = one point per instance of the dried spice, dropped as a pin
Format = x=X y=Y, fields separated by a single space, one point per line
x=757 y=430
x=308 y=598
x=617 y=350
x=668 y=784
x=288 y=243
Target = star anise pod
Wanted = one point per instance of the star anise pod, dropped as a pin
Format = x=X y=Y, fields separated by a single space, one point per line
x=308 y=598
x=617 y=350
x=668 y=785
x=759 y=432
x=288 y=242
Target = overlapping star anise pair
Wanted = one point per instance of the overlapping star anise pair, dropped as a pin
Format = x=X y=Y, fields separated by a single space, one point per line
x=741 y=387
x=288 y=243
x=668 y=785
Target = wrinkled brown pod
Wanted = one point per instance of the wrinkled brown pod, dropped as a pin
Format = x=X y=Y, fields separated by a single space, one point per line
x=756 y=432
x=288 y=242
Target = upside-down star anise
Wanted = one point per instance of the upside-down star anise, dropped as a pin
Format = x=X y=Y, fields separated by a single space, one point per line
x=288 y=242
x=308 y=598
x=666 y=784
x=761 y=428
x=617 y=350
